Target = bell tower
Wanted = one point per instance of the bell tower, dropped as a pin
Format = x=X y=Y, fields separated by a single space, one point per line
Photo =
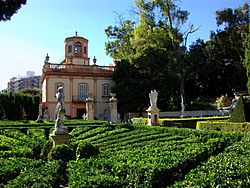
x=76 y=50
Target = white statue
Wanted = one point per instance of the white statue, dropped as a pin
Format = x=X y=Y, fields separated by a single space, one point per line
x=153 y=98
x=60 y=135
x=40 y=113
x=60 y=111
x=153 y=111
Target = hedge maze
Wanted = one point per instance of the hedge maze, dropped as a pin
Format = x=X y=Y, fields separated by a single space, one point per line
x=126 y=156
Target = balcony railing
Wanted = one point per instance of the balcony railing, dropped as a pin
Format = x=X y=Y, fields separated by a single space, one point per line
x=72 y=68
x=78 y=99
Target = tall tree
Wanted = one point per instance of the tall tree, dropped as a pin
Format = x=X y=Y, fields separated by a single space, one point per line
x=228 y=46
x=149 y=49
x=174 y=18
x=9 y=7
x=247 y=60
x=216 y=66
x=234 y=32
x=119 y=45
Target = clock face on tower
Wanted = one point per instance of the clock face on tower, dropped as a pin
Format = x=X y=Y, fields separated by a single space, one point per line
x=78 y=48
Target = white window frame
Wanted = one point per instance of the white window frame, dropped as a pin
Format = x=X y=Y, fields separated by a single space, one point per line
x=83 y=89
x=106 y=90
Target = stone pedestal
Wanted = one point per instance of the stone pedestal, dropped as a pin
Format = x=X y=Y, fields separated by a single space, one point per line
x=90 y=108
x=113 y=108
x=153 y=115
x=59 y=139
x=60 y=135
x=153 y=111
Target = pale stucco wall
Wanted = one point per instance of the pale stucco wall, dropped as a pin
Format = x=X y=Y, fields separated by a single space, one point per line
x=102 y=102
x=52 y=88
x=78 y=81
x=44 y=91
x=99 y=84
x=78 y=61
x=51 y=110
x=102 y=107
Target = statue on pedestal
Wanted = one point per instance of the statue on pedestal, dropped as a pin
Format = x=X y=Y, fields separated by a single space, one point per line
x=59 y=112
x=153 y=98
x=153 y=111
x=40 y=113
x=113 y=108
x=60 y=135
x=90 y=113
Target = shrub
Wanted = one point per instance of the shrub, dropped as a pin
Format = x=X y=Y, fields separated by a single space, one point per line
x=16 y=106
x=12 y=167
x=223 y=101
x=86 y=150
x=230 y=168
x=241 y=112
x=120 y=126
x=48 y=175
x=141 y=120
x=61 y=152
x=223 y=126
x=46 y=149
x=188 y=122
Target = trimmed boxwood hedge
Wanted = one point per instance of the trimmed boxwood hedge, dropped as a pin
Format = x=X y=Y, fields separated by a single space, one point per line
x=189 y=122
x=61 y=152
x=47 y=124
x=86 y=150
x=130 y=156
x=223 y=126
x=228 y=169
x=241 y=112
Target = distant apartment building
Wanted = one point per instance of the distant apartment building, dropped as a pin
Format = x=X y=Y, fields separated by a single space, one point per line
x=19 y=83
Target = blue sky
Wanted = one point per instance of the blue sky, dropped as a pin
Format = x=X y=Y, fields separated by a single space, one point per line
x=40 y=27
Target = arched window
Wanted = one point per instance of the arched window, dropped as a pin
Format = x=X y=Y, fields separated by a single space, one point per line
x=57 y=85
x=83 y=91
x=78 y=48
x=105 y=90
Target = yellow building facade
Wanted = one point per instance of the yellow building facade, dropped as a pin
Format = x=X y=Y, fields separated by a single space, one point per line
x=80 y=79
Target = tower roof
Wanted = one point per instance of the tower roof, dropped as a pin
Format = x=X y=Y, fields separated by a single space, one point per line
x=75 y=37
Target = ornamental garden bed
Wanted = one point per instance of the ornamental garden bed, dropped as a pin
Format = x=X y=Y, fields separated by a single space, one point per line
x=129 y=156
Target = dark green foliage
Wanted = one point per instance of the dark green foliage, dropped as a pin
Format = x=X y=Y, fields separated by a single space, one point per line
x=153 y=70
x=86 y=150
x=46 y=176
x=120 y=125
x=11 y=167
x=61 y=152
x=19 y=106
x=149 y=157
x=247 y=59
x=188 y=122
x=241 y=112
x=238 y=114
x=31 y=91
x=143 y=157
x=223 y=126
x=152 y=52
x=28 y=143
x=46 y=149
x=229 y=169
x=9 y=7
x=38 y=135
x=216 y=67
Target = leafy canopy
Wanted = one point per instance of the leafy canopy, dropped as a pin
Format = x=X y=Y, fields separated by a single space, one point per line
x=9 y=7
